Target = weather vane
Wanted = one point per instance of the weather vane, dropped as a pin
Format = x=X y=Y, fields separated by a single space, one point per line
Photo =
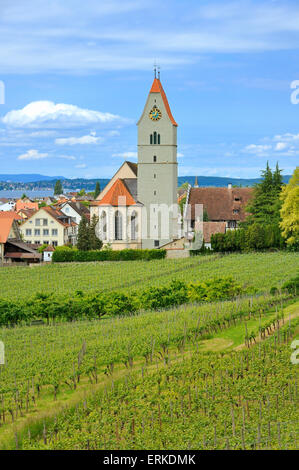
x=156 y=69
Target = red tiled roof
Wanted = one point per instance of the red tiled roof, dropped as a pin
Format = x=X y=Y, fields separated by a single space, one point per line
x=26 y=212
x=210 y=228
x=16 y=216
x=49 y=248
x=25 y=205
x=118 y=195
x=56 y=214
x=221 y=202
x=6 y=221
x=157 y=88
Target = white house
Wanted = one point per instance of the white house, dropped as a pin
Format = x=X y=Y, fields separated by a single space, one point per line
x=7 y=206
x=48 y=253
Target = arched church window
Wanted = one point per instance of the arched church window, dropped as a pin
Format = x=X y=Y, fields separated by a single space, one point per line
x=103 y=225
x=155 y=139
x=134 y=226
x=118 y=220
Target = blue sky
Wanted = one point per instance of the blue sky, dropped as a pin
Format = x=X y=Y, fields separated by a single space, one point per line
x=77 y=75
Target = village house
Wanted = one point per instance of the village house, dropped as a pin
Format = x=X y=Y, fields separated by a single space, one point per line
x=7 y=206
x=48 y=253
x=221 y=205
x=51 y=227
x=74 y=209
x=12 y=248
x=25 y=204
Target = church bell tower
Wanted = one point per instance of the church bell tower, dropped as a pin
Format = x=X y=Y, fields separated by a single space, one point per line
x=157 y=169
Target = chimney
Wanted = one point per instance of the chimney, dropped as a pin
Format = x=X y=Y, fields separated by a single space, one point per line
x=229 y=186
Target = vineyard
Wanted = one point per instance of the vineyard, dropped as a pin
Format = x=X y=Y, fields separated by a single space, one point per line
x=258 y=270
x=247 y=401
x=218 y=373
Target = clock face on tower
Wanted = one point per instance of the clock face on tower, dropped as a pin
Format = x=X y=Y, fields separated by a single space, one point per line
x=155 y=114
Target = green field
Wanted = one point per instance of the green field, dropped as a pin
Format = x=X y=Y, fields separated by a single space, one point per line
x=179 y=378
x=260 y=270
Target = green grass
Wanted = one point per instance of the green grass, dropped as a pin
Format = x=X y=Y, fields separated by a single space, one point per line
x=235 y=336
x=258 y=270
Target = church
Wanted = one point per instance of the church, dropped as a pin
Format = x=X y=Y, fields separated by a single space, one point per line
x=138 y=208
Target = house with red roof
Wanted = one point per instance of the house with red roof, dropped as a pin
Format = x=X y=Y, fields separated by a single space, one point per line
x=12 y=247
x=50 y=226
x=25 y=204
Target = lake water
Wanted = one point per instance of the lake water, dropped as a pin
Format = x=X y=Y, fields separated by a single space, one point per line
x=32 y=194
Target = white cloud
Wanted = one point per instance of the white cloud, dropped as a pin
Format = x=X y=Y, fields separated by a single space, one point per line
x=84 y=140
x=125 y=155
x=50 y=115
x=81 y=165
x=65 y=157
x=70 y=38
x=259 y=150
x=287 y=137
x=281 y=146
x=33 y=155
x=113 y=133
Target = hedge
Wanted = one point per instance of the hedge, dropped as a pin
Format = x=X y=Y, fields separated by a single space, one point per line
x=80 y=305
x=67 y=254
x=254 y=237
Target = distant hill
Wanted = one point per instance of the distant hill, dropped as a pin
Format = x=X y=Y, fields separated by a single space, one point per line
x=40 y=182
x=28 y=178
x=222 y=181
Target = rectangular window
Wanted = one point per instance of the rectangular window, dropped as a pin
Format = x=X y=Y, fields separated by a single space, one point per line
x=54 y=232
x=54 y=243
x=46 y=231
x=46 y=242
x=155 y=192
x=28 y=231
x=37 y=222
x=37 y=242
x=156 y=243
x=37 y=231
x=45 y=222
x=155 y=158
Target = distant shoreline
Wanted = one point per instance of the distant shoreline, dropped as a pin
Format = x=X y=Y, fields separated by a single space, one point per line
x=17 y=193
